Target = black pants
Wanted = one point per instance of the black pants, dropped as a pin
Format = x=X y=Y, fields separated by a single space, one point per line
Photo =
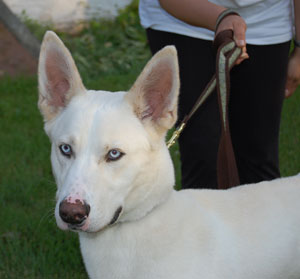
x=257 y=93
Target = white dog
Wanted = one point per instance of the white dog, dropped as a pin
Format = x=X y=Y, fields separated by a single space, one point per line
x=115 y=185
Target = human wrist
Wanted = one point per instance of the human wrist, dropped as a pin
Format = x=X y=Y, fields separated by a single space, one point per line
x=296 y=43
x=296 y=49
x=295 y=56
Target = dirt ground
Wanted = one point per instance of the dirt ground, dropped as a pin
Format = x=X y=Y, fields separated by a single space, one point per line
x=14 y=59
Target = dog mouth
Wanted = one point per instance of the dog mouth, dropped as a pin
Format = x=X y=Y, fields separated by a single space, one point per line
x=116 y=216
x=83 y=226
x=78 y=227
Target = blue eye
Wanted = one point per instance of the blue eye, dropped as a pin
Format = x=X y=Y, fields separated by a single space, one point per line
x=66 y=150
x=114 y=154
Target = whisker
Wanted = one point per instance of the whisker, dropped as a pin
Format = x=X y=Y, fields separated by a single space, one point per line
x=48 y=215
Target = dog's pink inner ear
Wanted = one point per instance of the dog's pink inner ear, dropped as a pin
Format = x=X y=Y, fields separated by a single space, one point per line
x=157 y=89
x=58 y=81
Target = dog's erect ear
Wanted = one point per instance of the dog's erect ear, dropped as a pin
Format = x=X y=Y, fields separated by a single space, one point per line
x=154 y=94
x=59 y=79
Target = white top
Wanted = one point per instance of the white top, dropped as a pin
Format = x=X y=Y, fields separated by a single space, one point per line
x=268 y=21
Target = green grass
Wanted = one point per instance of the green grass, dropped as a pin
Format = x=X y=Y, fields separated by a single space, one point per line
x=289 y=151
x=109 y=55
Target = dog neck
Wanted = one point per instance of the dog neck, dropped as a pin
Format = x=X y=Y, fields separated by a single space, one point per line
x=149 y=204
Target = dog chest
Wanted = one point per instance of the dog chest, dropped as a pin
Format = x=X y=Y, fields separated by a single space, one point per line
x=190 y=237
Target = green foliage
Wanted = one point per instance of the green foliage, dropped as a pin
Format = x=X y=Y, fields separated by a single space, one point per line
x=105 y=47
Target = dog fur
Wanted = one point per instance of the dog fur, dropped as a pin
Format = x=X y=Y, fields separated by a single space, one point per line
x=248 y=232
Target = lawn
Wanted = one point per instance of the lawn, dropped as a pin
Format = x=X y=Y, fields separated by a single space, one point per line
x=109 y=56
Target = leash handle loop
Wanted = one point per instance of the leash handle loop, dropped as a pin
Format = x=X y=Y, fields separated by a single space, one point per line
x=227 y=171
x=225 y=37
x=227 y=55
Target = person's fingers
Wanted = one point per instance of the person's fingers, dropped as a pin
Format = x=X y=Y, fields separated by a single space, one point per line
x=293 y=73
x=239 y=31
x=290 y=87
x=239 y=27
x=242 y=57
x=287 y=93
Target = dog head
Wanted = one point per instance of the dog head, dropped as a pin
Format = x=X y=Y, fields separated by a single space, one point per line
x=108 y=152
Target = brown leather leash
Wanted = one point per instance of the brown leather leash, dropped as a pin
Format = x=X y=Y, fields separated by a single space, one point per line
x=227 y=55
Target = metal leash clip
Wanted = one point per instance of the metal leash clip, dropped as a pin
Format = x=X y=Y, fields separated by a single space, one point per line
x=175 y=135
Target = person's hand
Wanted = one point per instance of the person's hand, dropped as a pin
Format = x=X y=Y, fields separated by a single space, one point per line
x=293 y=73
x=238 y=26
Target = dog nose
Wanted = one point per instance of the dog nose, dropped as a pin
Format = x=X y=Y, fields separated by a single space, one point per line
x=73 y=213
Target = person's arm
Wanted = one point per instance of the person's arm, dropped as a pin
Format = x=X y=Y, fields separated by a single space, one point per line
x=202 y=13
x=199 y=13
x=293 y=74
